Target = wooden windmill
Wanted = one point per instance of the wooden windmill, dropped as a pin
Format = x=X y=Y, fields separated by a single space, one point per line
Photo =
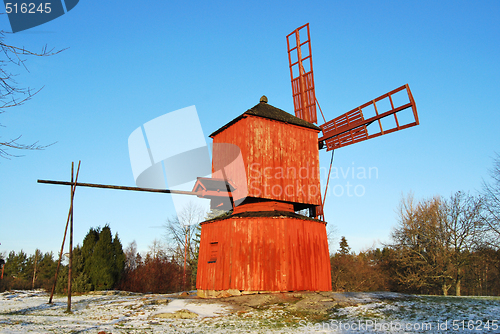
x=264 y=245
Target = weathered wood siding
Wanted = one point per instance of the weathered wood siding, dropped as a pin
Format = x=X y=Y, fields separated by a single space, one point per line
x=264 y=254
x=281 y=161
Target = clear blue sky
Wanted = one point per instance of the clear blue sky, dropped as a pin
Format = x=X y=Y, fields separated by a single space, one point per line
x=129 y=62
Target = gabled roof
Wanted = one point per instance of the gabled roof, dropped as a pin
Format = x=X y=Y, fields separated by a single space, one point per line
x=265 y=110
x=213 y=185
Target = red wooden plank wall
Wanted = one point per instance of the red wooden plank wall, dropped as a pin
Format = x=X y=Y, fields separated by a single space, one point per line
x=264 y=254
x=281 y=160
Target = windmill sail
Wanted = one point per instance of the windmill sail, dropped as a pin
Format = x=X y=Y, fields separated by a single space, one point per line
x=301 y=73
x=352 y=127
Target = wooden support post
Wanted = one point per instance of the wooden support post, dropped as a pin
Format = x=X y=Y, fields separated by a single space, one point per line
x=185 y=256
x=64 y=239
x=70 y=265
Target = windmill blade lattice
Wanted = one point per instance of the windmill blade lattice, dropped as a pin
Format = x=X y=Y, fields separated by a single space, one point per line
x=301 y=73
x=352 y=127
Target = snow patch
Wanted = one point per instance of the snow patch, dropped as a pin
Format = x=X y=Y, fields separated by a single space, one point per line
x=203 y=310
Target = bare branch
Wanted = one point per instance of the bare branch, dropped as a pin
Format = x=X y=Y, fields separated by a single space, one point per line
x=14 y=144
x=491 y=214
x=11 y=95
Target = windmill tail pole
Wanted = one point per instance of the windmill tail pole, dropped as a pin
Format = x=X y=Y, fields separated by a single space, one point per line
x=106 y=186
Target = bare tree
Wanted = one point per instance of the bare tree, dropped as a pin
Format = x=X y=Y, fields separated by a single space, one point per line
x=157 y=249
x=422 y=246
x=35 y=272
x=131 y=256
x=183 y=233
x=11 y=94
x=435 y=239
x=491 y=217
x=462 y=227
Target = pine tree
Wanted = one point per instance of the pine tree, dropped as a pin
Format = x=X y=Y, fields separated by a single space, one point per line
x=103 y=260
x=17 y=265
x=47 y=267
x=344 y=247
x=81 y=280
x=119 y=259
x=101 y=271
x=87 y=250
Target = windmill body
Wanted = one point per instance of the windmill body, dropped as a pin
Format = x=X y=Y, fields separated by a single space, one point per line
x=264 y=245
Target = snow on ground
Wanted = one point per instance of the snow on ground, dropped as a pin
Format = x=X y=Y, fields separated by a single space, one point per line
x=27 y=311
x=202 y=310
x=420 y=314
x=118 y=312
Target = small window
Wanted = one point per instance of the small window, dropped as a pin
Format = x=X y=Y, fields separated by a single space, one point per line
x=214 y=249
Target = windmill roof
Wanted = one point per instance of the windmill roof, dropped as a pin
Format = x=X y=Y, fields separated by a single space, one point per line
x=265 y=110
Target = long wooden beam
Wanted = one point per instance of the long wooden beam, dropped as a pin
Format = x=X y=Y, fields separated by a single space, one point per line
x=106 y=186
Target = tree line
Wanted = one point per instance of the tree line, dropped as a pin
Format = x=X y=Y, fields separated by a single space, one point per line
x=100 y=263
x=97 y=265
x=439 y=246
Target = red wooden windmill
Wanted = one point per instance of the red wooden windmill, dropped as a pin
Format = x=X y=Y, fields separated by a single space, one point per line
x=264 y=245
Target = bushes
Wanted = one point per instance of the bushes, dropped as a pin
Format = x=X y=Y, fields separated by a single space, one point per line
x=362 y=272
x=155 y=274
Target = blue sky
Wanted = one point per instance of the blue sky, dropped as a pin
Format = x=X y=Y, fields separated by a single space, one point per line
x=128 y=63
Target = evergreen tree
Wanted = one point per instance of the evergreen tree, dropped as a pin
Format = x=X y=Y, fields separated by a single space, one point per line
x=62 y=281
x=119 y=259
x=101 y=271
x=88 y=246
x=344 y=247
x=102 y=258
x=81 y=280
x=47 y=267
x=17 y=265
